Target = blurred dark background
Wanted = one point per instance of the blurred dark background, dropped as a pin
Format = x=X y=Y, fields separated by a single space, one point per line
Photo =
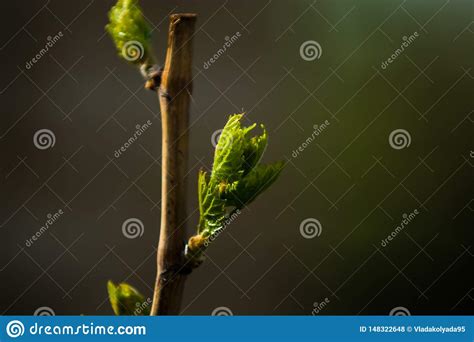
x=349 y=178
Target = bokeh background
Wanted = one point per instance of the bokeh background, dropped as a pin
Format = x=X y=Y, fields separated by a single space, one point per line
x=350 y=179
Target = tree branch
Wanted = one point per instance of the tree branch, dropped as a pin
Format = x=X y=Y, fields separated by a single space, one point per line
x=174 y=95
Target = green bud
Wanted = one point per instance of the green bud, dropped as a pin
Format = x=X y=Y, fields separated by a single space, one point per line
x=129 y=31
x=127 y=301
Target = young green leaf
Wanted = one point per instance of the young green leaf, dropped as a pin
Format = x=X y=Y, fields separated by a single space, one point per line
x=249 y=187
x=254 y=149
x=228 y=157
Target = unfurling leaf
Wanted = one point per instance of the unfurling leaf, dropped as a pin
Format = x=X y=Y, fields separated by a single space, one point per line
x=237 y=178
x=127 y=301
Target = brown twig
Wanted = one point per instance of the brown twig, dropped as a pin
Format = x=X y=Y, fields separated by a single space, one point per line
x=174 y=94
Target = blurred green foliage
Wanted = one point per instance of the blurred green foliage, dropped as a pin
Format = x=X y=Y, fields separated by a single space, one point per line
x=127 y=301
